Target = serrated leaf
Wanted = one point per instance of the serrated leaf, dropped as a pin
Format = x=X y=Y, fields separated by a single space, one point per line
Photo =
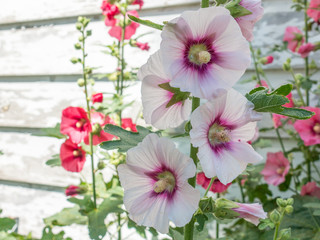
x=141 y=230
x=97 y=227
x=66 y=217
x=283 y=90
x=127 y=140
x=51 y=132
x=6 y=224
x=201 y=220
x=86 y=204
x=47 y=234
x=297 y=113
x=54 y=161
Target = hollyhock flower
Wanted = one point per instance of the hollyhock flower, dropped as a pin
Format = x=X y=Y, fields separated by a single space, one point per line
x=98 y=97
x=99 y=120
x=294 y=37
x=221 y=129
x=314 y=10
x=75 y=123
x=109 y=10
x=309 y=129
x=127 y=124
x=305 y=49
x=72 y=156
x=263 y=84
x=247 y=22
x=204 y=52
x=266 y=60
x=251 y=212
x=116 y=30
x=156 y=95
x=216 y=187
x=276 y=168
x=143 y=46
x=155 y=182
x=72 y=190
x=277 y=117
x=310 y=189
x=138 y=2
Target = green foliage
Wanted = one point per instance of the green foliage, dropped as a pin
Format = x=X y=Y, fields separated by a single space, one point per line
x=177 y=96
x=47 y=234
x=262 y=143
x=66 y=217
x=127 y=139
x=51 y=132
x=6 y=224
x=141 y=230
x=272 y=102
x=1 y=153
x=54 y=161
x=236 y=10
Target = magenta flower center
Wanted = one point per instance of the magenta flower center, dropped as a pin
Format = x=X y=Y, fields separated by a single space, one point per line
x=80 y=123
x=218 y=134
x=316 y=128
x=166 y=182
x=76 y=153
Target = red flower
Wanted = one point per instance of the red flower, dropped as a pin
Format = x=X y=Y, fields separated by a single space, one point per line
x=98 y=97
x=309 y=129
x=109 y=10
x=310 y=189
x=143 y=46
x=127 y=124
x=98 y=120
x=305 y=49
x=216 y=187
x=72 y=190
x=75 y=124
x=267 y=60
x=294 y=38
x=138 y=2
x=314 y=10
x=116 y=30
x=72 y=156
x=264 y=84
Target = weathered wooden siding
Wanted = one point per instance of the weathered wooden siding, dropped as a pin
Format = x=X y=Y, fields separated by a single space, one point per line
x=37 y=81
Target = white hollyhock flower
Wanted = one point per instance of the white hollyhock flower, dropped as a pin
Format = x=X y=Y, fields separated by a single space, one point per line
x=162 y=107
x=204 y=52
x=221 y=129
x=155 y=181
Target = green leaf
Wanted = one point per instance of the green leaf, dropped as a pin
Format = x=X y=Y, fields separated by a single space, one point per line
x=54 y=161
x=262 y=143
x=176 y=234
x=139 y=229
x=66 y=217
x=145 y=22
x=312 y=205
x=272 y=102
x=286 y=184
x=47 y=234
x=127 y=139
x=6 y=224
x=177 y=96
x=86 y=204
x=51 y=132
x=97 y=227
x=201 y=220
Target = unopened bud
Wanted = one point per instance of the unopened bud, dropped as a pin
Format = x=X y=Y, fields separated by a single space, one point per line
x=299 y=77
x=101 y=165
x=275 y=216
x=77 y=46
x=80 y=82
x=290 y=201
x=80 y=19
x=92 y=82
x=289 y=209
x=89 y=33
x=207 y=205
x=286 y=67
x=81 y=38
x=225 y=203
x=281 y=202
x=96 y=129
x=285 y=234
x=74 y=60
x=79 y=26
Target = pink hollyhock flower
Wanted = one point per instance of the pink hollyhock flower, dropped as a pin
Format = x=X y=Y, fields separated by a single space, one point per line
x=98 y=121
x=204 y=52
x=75 y=123
x=277 y=117
x=294 y=37
x=138 y=2
x=310 y=189
x=267 y=60
x=305 y=49
x=216 y=187
x=155 y=181
x=155 y=98
x=247 y=22
x=72 y=156
x=143 y=46
x=98 y=97
x=309 y=129
x=116 y=30
x=221 y=129
x=127 y=124
x=276 y=168
x=314 y=10
x=251 y=212
x=72 y=190
x=264 y=84
x=109 y=10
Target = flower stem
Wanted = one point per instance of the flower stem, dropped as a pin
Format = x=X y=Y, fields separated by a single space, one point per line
x=307 y=40
x=119 y=228
x=217 y=223
x=241 y=191
x=208 y=188
x=255 y=64
x=89 y=116
x=276 y=231
x=298 y=87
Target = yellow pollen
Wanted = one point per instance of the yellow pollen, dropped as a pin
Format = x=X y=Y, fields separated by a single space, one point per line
x=76 y=153
x=166 y=182
x=218 y=134
x=280 y=170
x=316 y=128
x=204 y=57
x=80 y=123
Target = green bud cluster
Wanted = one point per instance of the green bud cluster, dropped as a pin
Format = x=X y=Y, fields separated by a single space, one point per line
x=287 y=65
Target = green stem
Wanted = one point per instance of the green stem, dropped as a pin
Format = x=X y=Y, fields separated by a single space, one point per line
x=118 y=66
x=188 y=229
x=307 y=40
x=255 y=64
x=241 y=191
x=298 y=87
x=208 y=188
x=146 y=22
x=89 y=116
x=276 y=232
x=281 y=143
x=119 y=228
x=217 y=223
x=315 y=168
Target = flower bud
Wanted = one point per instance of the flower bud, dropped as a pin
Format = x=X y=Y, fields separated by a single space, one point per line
x=299 y=77
x=289 y=209
x=285 y=234
x=80 y=19
x=92 y=82
x=226 y=213
x=225 y=203
x=96 y=129
x=286 y=67
x=275 y=216
x=281 y=202
x=290 y=201
x=101 y=165
x=79 y=26
x=89 y=33
x=81 y=38
x=80 y=82
x=74 y=60
x=266 y=60
x=77 y=46
x=207 y=205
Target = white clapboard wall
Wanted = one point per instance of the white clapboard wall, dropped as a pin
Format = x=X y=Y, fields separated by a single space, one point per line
x=37 y=81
